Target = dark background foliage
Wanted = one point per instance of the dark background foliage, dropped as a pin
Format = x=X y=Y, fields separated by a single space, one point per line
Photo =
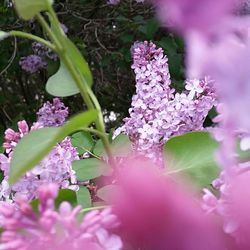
x=104 y=34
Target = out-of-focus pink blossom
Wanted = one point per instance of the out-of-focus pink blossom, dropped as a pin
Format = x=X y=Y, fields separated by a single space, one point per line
x=186 y=15
x=218 y=56
x=156 y=213
x=24 y=229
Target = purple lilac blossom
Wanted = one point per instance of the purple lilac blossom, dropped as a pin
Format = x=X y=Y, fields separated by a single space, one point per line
x=233 y=180
x=56 y=167
x=52 y=114
x=43 y=51
x=32 y=63
x=39 y=49
x=188 y=15
x=157 y=112
x=230 y=45
x=50 y=229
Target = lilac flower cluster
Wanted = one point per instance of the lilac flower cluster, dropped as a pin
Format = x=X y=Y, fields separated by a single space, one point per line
x=55 y=168
x=233 y=180
x=50 y=229
x=37 y=61
x=158 y=112
x=32 y=63
x=52 y=114
x=44 y=52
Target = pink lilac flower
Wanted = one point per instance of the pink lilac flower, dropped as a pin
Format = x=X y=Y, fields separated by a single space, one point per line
x=56 y=167
x=230 y=44
x=155 y=212
x=33 y=63
x=232 y=186
x=157 y=113
x=187 y=15
x=25 y=229
x=232 y=204
x=52 y=114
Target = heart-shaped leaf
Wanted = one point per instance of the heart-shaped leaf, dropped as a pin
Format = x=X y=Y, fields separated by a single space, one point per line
x=61 y=84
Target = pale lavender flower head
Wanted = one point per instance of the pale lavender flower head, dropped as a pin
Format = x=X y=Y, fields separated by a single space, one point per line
x=33 y=63
x=186 y=15
x=51 y=229
x=157 y=113
x=230 y=44
x=232 y=187
x=52 y=114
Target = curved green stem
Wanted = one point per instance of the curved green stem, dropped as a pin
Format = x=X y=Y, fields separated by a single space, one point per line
x=94 y=131
x=38 y=39
x=47 y=29
x=85 y=91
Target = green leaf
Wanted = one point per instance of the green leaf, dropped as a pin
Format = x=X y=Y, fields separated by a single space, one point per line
x=63 y=195
x=61 y=84
x=121 y=145
x=83 y=197
x=90 y=168
x=3 y=35
x=79 y=122
x=152 y=27
x=66 y=195
x=192 y=155
x=27 y=9
x=34 y=146
x=79 y=62
x=83 y=141
x=99 y=148
x=31 y=149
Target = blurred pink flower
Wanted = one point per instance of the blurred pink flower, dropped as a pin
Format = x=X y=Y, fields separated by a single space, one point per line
x=25 y=229
x=186 y=15
x=156 y=213
x=225 y=56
